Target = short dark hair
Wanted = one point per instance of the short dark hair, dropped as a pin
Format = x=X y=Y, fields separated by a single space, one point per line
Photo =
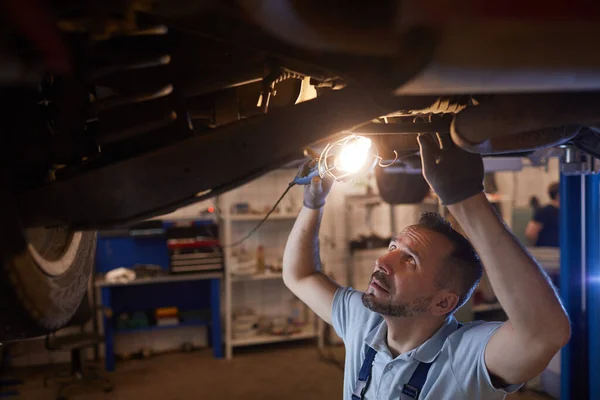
x=553 y=190
x=464 y=269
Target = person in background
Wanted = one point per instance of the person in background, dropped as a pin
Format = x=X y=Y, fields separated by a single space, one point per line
x=534 y=203
x=542 y=230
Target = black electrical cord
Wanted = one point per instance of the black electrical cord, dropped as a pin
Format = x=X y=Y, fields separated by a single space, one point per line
x=262 y=221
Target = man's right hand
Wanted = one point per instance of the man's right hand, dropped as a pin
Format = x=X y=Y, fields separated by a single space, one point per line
x=317 y=190
x=454 y=174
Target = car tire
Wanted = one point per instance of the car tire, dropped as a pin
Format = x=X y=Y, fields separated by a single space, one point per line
x=401 y=188
x=43 y=280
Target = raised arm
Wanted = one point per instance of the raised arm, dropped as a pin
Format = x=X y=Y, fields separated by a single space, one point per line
x=537 y=325
x=301 y=260
x=302 y=265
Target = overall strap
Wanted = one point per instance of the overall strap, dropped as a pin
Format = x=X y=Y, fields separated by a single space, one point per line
x=364 y=375
x=415 y=384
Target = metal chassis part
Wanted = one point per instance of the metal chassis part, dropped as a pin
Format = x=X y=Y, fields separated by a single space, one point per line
x=170 y=177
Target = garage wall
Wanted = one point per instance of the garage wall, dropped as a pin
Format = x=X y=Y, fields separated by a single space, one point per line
x=531 y=181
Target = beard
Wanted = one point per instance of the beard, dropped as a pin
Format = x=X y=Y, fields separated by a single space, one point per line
x=389 y=308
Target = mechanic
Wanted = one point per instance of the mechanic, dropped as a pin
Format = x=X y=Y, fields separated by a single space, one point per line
x=543 y=229
x=401 y=339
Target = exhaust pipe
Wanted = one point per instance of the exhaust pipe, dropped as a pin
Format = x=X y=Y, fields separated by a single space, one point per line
x=532 y=121
x=520 y=142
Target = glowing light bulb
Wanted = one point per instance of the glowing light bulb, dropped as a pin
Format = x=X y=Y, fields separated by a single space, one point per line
x=353 y=154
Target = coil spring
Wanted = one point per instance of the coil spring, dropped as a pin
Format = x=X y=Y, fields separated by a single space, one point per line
x=135 y=97
x=133 y=104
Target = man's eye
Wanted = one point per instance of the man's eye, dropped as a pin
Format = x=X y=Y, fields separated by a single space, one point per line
x=392 y=247
x=411 y=260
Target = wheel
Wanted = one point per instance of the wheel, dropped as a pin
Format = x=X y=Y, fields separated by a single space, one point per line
x=401 y=188
x=43 y=277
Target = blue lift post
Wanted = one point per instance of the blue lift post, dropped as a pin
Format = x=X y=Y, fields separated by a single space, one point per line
x=592 y=218
x=574 y=382
x=579 y=286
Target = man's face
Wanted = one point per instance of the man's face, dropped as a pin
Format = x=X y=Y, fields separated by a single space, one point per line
x=403 y=281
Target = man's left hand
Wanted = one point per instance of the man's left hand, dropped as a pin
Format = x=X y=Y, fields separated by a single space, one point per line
x=454 y=174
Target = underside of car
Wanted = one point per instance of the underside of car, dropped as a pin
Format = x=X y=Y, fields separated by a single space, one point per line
x=113 y=112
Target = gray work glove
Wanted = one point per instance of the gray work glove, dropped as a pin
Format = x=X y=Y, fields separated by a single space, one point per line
x=316 y=191
x=453 y=173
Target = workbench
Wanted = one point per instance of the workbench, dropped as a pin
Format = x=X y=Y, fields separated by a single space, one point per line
x=136 y=295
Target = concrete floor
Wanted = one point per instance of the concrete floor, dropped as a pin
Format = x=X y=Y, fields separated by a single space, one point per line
x=290 y=371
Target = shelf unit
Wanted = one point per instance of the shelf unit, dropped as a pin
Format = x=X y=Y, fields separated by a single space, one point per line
x=259 y=217
x=277 y=227
x=162 y=327
x=306 y=333
x=256 y=277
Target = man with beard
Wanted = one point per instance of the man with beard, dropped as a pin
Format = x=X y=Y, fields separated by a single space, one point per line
x=402 y=341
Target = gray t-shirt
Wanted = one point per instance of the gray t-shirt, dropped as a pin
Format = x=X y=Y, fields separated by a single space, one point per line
x=459 y=370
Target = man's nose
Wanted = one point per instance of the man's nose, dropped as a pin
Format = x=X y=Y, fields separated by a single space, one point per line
x=384 y=265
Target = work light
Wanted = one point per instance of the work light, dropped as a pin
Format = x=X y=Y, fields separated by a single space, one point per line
x=350 y=156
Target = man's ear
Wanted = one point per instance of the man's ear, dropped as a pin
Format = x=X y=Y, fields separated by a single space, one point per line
x=444 y=302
